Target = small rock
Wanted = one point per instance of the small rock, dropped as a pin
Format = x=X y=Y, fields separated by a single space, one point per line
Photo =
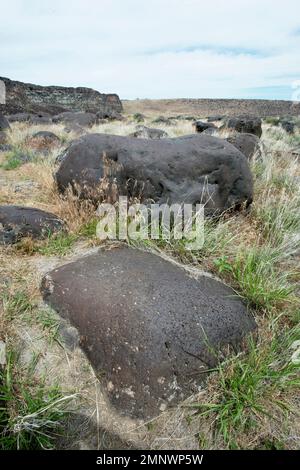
x=79 y=118
x=5 y=147
x=110 y=115
x=288 y=126
x=75 y=128
x=163 y=120
x=4 y=124
x=139 y=117
x=201 y=126
x=25 y=187
x=19 y=117
x=3 y=138
x=70 y=336
x=43 y=141
x=147 y=327
x=244 y=124
x=143 y=132
x=17 y=222
x=215 y=118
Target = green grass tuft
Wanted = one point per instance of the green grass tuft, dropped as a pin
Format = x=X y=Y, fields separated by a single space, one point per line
x=57 y=244
x=17 y=157
x=252 y=386
x=31 y=415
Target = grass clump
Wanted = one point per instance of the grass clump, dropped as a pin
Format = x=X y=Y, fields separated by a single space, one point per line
x=138 y=117
x=17 y=157
x=274 y=121
x=253 y=387
x=88 y=229
x=256 y=277
x=58 y=244
x=31 y=414
x=17 y=303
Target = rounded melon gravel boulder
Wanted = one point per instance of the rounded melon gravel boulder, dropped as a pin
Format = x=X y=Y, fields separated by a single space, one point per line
x=191 y=169
x=149 y=329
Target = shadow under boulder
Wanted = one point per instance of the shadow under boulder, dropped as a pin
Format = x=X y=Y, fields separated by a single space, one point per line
x=149 y=330
x=17 y=222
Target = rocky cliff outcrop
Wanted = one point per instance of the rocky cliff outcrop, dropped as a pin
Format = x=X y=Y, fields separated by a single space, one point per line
x=25 y=97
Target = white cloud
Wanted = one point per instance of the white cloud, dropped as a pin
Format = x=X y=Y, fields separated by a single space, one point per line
x=162 y=48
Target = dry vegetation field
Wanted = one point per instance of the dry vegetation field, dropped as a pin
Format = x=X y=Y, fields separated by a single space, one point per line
x=49 y=394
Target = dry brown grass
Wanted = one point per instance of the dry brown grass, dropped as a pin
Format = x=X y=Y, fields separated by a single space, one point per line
x=271 y=223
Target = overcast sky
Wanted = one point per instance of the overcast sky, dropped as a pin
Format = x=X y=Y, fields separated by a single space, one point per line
x=156 y=48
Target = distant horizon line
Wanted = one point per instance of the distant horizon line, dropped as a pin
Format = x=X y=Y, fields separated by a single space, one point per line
x=212 y=99
x=95 y=88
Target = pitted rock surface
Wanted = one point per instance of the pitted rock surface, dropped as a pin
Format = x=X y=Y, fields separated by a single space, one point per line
x=147 y=327
x=4 y=124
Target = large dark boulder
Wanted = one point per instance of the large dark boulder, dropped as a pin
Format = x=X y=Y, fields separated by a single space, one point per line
x=245 y=124
x=143 y=132
x=29 y=98
x=17 y=222
x=190 y=169
x=201 y=126
x=80 y=119
x=248 y=144
x=149 y=329
x=4 y=124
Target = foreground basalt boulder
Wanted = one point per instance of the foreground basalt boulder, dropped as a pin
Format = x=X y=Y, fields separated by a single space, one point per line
x=244 y=124
x=248 y=144
x=149 y=329
x=191 y=169
x=17 y=222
